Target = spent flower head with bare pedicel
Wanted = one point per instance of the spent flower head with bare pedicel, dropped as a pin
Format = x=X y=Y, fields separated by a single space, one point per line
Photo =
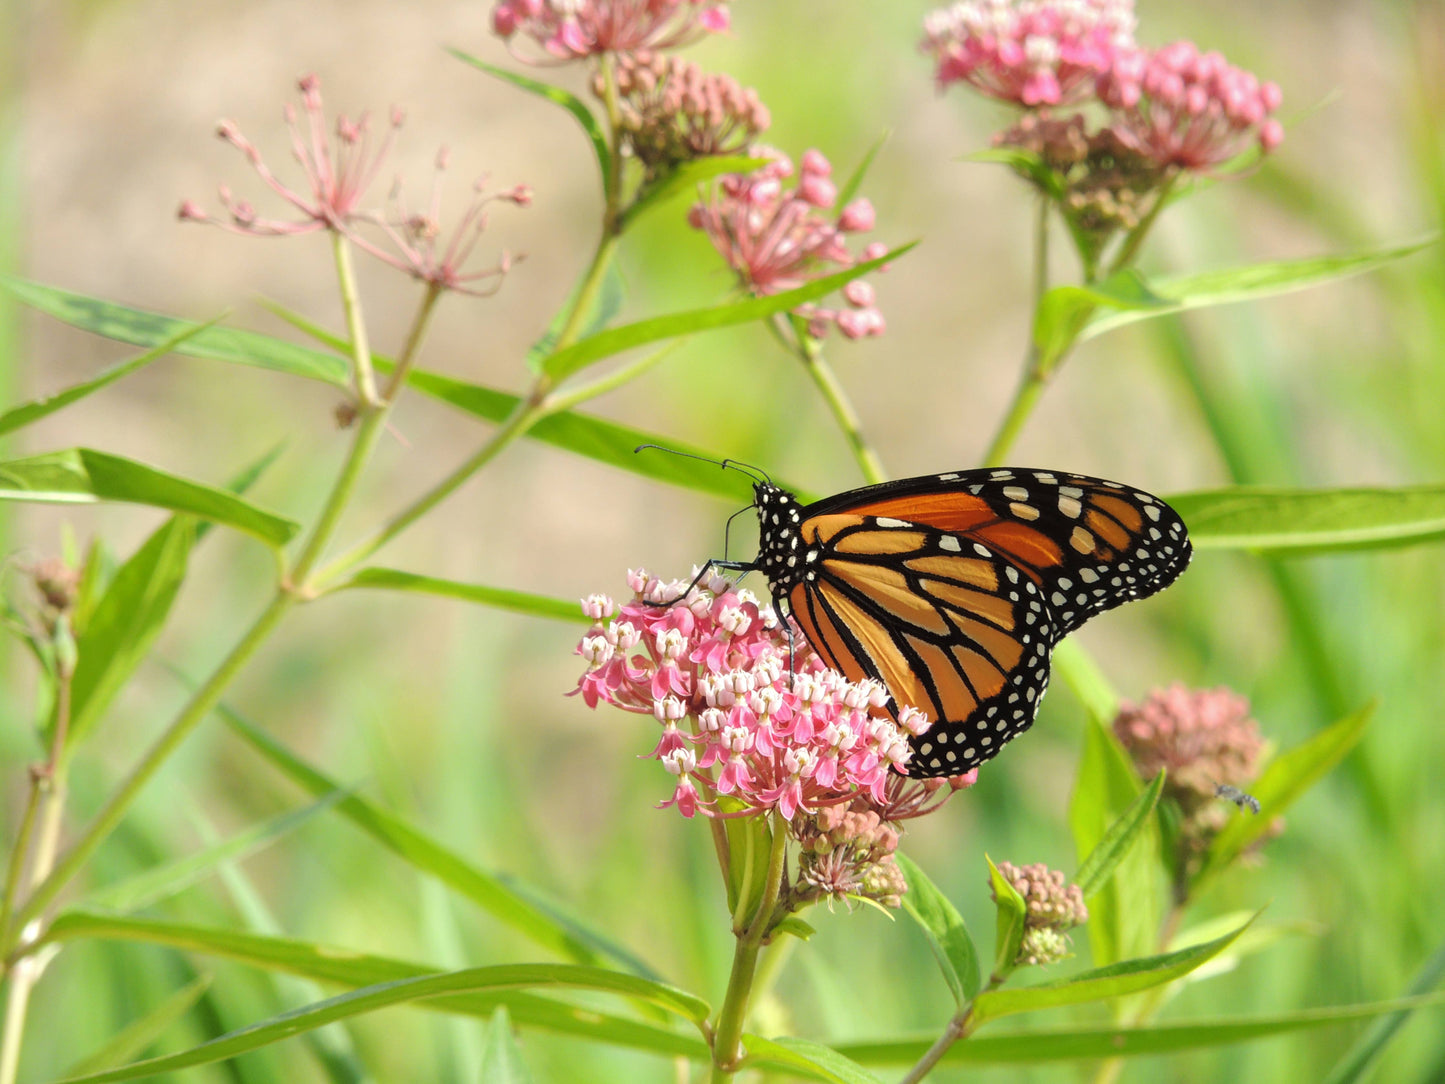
x=742 y=735
x=575 y=29
x=777 y=238
x=673 y=112
x=339 y=173
x=1053 y=907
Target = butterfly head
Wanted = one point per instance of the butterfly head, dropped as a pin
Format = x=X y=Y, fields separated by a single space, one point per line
x=780 y=545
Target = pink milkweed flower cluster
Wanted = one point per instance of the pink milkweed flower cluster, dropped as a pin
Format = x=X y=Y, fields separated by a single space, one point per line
x=713 y=671
x=575 y=29
x=1033 y=52
x=1189 y=109
x=339 y=173
x=1053 y=906
x=1179 y=107
x=778 y=238
x=673 y=111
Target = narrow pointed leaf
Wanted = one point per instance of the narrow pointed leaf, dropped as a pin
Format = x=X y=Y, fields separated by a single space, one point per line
x=818 y=1061
x=85 y=476
x=1029 y=164
x=1362 y=1055
x=502 y=1060
x=1095 y=871
x=327 y=963
x=686 y=177
x=1312 y=521
x=1285 y=779
x=943 y=926
x=243 y=481
x=860 y=171
x=369 y=999
x=1037 y=1046
x=565 y=99
x=605 y=344
x=125 y=623
x=523 y=909
x=503 y=598
x=1115 y=980
x=162 y=882
x=137 y=1036
x=21 y=416
x=1249 y=283
x=1012 y=915
x=1064 y=311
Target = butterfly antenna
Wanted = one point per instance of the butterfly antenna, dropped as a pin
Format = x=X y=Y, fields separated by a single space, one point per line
x=757 y=474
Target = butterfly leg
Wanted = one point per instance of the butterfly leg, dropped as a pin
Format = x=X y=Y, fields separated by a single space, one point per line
x=730 y=566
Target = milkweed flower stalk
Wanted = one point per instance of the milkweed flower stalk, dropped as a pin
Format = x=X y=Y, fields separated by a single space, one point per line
x=1053 y=907
x=742 y=736
x=576 y=29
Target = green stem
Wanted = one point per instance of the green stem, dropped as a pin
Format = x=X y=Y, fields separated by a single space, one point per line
x=727 y=1035
x=1135 y=239
x=956 y=1029
x=810 y=352
x=412 y=346
x=351 y=304
x=1035 y=378
x=612 y=219
x=17 y=859
x=623 y=374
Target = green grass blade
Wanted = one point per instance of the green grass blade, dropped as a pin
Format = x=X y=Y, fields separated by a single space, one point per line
x=1090 y=1042
x=502 y=1061
x=138 y=1035
x=21 y=416
x=605 y=344
x=522 y=602
x=1115 y=980
x=817 y=1061
x=1285 y=779
x=1285 y=521
x=1367 y=1049
x=541 y=921
x=1222 y=287
x=85 y=476
x=162 y=882
x=1095 y=870
x=860 y=171
x=943 y=926
x=565 y=99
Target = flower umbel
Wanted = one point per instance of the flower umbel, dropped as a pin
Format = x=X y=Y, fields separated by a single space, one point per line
x=778 y=238
x=1189 y=109
x=573 y=29
x=1031 y=52
x=1053 y=908
x=673 y=111
x=338 y=171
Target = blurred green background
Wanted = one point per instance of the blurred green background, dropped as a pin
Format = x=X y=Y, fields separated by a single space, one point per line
x=455 y=716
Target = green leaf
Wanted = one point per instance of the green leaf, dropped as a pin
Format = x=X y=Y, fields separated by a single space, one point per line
x=20 y=416
x=243 y=481
x=511 y=902
x=606 y=304
x=1012 y=918
x=502 y=1061
x=1181 y=292
x=401 y=991
x=162 y=882
x=1115 y=980
x=1289 y=521
x=1093 y=1042
x=1064 y=310
x=860 y=171
x=135 y=1037
x=749 y=843
x=565 y=99
x=522 y=602
x=84 y=476
x=1361 y=1056
x=1285 y=779
x=125 y=622
x=686 y=178
x=148 y=329
x=1095 y=871
x=1124 y=913
x=579 y=355
x=816 y=1060
x=1028 y=164
x=795 y=926
x=943 y=926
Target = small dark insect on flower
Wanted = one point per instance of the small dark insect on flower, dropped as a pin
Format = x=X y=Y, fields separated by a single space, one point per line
x=1237 y=796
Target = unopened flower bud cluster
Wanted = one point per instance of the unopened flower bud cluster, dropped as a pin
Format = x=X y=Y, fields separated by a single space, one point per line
x=1053 y=907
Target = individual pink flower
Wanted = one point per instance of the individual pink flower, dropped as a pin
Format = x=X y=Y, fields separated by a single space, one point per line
x=338 y=171
x=673 y=111
x=573 y=29
x=1189 y=109
x=777 y=239
x=1030 y=52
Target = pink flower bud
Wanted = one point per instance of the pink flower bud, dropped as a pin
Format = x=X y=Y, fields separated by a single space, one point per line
x=857 y=217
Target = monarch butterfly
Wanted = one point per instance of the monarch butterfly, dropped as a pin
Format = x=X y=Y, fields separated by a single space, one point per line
x=952 y=589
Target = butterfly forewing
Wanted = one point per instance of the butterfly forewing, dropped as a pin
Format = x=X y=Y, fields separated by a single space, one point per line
x=951 y=589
